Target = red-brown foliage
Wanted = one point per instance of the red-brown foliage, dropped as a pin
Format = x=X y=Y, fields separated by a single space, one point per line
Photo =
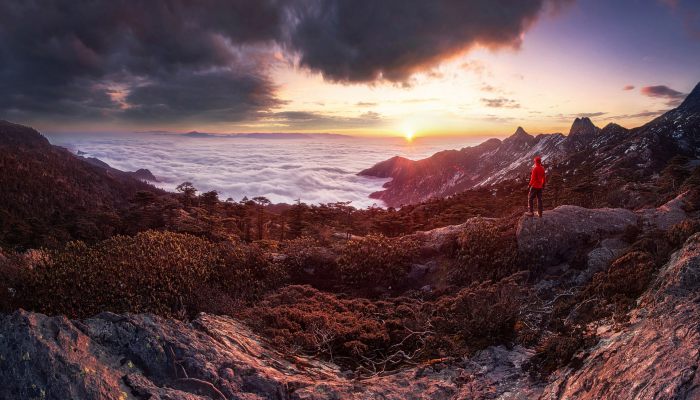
x=376 y=260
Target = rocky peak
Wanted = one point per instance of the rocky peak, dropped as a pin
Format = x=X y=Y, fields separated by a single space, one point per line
x=692 y=101
x=583 y=126
x=520 y=132
x=144 y=175
x=519 y=139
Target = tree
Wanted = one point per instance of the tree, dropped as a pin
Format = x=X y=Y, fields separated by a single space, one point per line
x=188 y=191
x=210 y=199
x=261 y=202
x=296 y=225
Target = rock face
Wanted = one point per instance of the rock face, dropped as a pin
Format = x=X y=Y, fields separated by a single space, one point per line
x=657 y=357
x=582 y=133
x=562 y=231
x=611 y=151
x=143 y=356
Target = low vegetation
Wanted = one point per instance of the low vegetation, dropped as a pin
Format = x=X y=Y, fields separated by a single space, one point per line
x=329 y=280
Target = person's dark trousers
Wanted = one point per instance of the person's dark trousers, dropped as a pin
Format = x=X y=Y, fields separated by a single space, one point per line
x=535 y=192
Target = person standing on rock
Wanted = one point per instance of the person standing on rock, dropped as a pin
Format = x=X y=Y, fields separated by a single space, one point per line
x=537 y=180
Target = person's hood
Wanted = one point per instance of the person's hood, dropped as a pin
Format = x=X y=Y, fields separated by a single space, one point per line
x=538 y=160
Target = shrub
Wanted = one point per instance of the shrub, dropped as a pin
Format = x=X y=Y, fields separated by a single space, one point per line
x=680 y=232
x=557 y=351
x=305 y=260
x=246 y=271
x=479 y=315
x=150 y=272
x=376 y=260
x=609 y=293
x=355 y=333
x=486 y=250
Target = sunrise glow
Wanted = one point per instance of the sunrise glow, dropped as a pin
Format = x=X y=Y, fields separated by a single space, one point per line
x=408 y=133
x=454 y=83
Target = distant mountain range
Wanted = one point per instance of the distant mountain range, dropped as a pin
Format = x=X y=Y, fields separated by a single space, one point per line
x=262 y=135
x=613 y=150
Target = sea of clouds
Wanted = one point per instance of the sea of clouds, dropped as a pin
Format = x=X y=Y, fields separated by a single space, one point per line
x=315 y=170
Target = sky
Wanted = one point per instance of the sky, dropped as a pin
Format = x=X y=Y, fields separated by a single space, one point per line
x=361 y=67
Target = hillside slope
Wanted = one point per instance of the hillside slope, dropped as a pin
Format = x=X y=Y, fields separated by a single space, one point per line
x=50 y=195
x=128 y=356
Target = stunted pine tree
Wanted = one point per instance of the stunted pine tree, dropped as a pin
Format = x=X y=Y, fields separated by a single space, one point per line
x=188 y=192
x=261 y=203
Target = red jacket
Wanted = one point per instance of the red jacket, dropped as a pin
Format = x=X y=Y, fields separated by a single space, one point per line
x=537 y=178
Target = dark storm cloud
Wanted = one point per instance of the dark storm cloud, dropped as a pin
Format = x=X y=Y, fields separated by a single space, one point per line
x=209 y=60
x=210 y=96
x=500 y=102
x=179 y=57
x=367 y=40
x=674 y=97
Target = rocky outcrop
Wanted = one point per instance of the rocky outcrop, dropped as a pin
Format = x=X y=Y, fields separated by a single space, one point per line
x=141 y=174
x=566 y=229
x=144 y=356
x=562 y=232
x=144 y=175
x=658 y=355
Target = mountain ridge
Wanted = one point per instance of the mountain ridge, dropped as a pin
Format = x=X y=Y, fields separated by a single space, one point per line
x=637 y=152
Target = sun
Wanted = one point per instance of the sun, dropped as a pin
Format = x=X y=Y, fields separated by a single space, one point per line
x=408 y=133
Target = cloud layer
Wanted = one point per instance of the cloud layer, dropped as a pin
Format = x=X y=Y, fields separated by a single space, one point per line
x=282 y=170
x=210 y=60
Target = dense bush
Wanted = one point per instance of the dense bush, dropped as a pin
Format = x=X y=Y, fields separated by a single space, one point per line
x=350 y=332
x=376 y=335
x=152 y=271
x=557 y=351
x=161 y=272
x=609 y=293
x=479 y=315
x=486 y=250
x=305 y=260
x=376 y=260
x=680 y=232
x=246 y=271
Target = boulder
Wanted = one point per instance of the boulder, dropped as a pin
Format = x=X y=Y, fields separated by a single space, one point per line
x=665 y=216
x=561 y=232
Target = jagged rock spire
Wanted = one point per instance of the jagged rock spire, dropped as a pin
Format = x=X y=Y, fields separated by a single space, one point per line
x=582 y=126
